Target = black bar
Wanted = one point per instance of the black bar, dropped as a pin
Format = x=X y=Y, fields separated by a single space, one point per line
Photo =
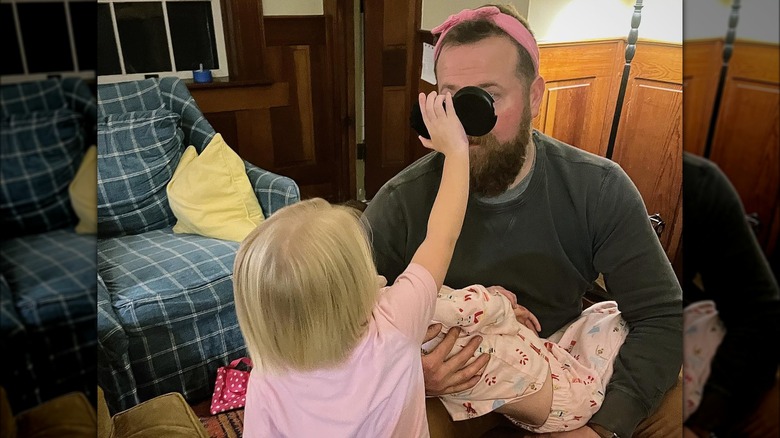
x=728 y=48
x=633 y=35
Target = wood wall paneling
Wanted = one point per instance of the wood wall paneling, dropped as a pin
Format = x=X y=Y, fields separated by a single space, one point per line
x=579 y=98
x=571 y=124
x=393 y=126
x=649 y=140
x=295 y=124
x=702 y=62
x=746 y=145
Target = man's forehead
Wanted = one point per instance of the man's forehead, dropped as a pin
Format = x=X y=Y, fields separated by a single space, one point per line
x=489 y=61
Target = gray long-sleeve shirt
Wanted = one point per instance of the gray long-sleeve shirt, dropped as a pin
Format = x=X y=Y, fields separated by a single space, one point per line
x=579 y=216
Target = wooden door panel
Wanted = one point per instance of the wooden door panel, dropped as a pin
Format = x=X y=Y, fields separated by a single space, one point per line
x=746 y=143
x=702 y=61
x=746 y=146
x=390 y=37
x=394 y=126
x=649 y=145
x=293 y=124
x=579 y=97
x=649 y=140
x=566 y=110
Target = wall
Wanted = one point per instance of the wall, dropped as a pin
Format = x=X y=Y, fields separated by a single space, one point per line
x=577 y=20
x=705 y=19
x=295 y=7
x=434 y=12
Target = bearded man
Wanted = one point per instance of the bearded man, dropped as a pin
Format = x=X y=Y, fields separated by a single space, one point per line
x=544 y=219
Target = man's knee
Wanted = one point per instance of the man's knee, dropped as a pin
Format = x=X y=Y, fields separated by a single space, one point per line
x=440 y=425
x=666 y=421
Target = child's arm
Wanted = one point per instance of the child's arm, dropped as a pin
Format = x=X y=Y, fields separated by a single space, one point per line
x=449 y=208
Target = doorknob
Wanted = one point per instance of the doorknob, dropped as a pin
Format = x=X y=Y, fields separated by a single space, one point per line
x=658 y=224
x=754 y=221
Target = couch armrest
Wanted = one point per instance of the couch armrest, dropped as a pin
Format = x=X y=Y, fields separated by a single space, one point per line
x=112 y=339
x=10 y=322
x=273 y=191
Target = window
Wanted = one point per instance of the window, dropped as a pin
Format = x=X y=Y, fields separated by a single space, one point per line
x=42 y=38
x=139 y=38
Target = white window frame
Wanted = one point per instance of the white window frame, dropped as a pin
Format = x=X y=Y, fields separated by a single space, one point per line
x=27 y=76
x=219 y=35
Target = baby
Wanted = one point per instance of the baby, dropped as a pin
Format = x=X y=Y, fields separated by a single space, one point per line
x=542 y=385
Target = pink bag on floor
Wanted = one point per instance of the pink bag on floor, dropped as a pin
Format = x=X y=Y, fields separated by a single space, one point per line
x=230 y=389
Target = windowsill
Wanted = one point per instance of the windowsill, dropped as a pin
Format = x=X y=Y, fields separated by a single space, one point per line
x=225 y=82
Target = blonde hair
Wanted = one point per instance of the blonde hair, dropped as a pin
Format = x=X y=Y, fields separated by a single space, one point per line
x=304 y=285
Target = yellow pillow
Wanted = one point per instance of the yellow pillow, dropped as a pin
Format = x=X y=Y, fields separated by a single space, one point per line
x=83 y=193
x=211 y=195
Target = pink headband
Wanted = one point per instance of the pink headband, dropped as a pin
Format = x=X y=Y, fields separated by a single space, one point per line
x=507 y=23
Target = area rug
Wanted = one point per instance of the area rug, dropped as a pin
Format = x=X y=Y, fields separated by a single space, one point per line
x=224 y=425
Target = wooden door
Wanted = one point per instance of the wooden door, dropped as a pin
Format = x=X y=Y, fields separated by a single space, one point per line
x=703 y=60
x=649 y=139
x=297 y=120
x=579 y=98
x=390 y=36
x=746 y=144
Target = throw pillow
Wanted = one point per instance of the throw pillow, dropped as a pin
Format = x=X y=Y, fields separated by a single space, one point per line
x=83 y=193
x=137 y=154
x=211 y=195
x=40 y=154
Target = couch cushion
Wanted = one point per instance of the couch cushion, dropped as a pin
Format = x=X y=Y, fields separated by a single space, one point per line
x=30 y=97
x=173 y=295
x=144 y=272
x=40 y=154
x=124 y=97
x=166 y=415
x=69 y=415
x=53 y=284
x=137 y=155
x=10 y=325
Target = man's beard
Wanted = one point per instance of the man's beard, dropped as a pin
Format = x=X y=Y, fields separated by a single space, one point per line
x=494 y=165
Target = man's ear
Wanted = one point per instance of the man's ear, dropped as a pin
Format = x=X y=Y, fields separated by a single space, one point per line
x=537 y=92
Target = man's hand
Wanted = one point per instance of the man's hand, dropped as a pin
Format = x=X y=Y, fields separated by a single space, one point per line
x=523 y=315
x=446 y=376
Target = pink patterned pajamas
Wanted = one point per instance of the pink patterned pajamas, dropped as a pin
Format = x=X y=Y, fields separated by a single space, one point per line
x=579 y=357
x=703 y=332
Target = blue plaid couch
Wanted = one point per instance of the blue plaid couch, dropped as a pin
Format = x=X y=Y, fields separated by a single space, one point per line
x=166 y=317
x=47 y=271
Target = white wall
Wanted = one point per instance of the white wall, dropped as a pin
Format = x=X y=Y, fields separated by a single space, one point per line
x=292 y=7
x=709 y=19
x=577 y=20
x=434 y=12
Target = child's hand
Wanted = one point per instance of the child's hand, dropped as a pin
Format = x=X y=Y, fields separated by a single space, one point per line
x=523 y=315
x=528 y=319
x=446 y=131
